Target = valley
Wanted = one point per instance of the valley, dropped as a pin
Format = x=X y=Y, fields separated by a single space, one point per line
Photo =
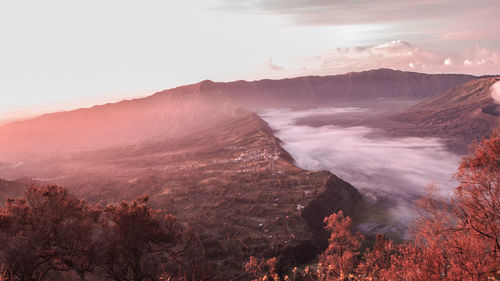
x=250 y=140
x=391 y=172
x=231 y=183
x=260 y=184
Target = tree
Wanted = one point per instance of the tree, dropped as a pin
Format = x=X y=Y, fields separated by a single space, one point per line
x=262 y=269
x=478 y=195
x=141 y=243
x=377 y=261
x=48 y=231
x=459 y=239
x=477 y=245
x=340 y=258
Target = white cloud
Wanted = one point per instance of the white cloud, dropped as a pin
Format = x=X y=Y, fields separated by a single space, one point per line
x=481 y=56
x=495 y=92
x=395 y=54
x=398 y=169
x=398 y=54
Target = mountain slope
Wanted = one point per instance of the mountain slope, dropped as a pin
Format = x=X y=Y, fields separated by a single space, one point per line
x=467 y=112
x=202 y=156
x=321 y=90
x=172 y=112
x=179 y=110
x=230 y=181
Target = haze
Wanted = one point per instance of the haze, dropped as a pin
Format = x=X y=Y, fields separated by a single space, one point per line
x=64 y=54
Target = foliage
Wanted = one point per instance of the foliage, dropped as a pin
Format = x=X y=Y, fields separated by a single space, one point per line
x=48 y=230
x=48 y=233
x=340 y=258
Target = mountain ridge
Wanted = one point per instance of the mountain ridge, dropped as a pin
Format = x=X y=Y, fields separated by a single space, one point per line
x=210 y=84
x=466 y=112
x=176 y=110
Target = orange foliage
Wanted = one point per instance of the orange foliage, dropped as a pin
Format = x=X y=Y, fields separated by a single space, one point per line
x=340 y=258
x=459 y=240
x=377 y=262
x=262 y=269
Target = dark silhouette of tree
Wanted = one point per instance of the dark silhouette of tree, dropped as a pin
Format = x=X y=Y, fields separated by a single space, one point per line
x=49 y=234
x=141 y=243
x=47 y=231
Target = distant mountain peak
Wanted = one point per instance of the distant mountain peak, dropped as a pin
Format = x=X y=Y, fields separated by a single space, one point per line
x=207 y=85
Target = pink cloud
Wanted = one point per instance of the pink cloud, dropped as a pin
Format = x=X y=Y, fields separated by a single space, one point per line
x=481 y=56
x=402 y=55
x=489 y=32
x=448 y=61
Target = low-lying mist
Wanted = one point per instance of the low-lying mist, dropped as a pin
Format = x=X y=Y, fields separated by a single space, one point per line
x=495 y=92
x=392 y=173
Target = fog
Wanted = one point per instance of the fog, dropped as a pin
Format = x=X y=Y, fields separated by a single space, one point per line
x=392 y=173
x=495 y=92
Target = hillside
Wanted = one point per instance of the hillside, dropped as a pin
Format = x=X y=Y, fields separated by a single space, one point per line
x=201 y=155
x=180 y=110
x=464 y=113
x=231 y=181
x=312 y=91
x=13 y=188
x=173 y=112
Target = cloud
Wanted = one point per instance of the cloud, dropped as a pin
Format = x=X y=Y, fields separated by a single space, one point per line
x=495 y=92
x=428 y=22
x=448 y=61
x=481 y=56
x=338 y=12
x=398 y=54
x=393 y=54
x=395 y=170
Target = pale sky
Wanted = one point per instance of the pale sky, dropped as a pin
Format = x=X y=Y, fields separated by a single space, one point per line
x=62 y=54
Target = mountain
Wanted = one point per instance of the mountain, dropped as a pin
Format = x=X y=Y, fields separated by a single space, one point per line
x=466 y=113
x=178 y=111
x=313 y=91
x=173 y=112
x=201 y=154
x=229 y=180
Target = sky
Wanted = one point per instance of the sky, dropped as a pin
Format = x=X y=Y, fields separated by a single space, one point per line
x=63 y=54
